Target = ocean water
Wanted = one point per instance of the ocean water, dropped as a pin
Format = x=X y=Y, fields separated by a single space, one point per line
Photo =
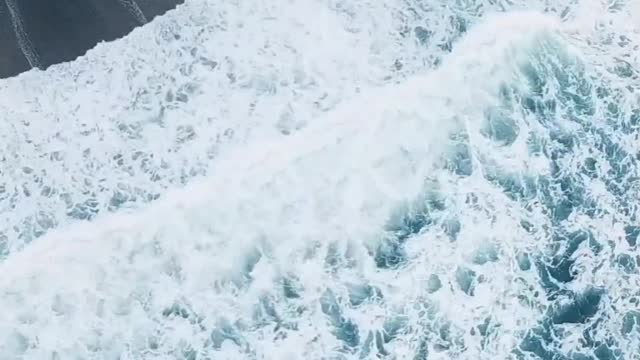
x=326 y=179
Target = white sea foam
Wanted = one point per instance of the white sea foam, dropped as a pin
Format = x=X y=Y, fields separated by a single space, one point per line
x=386 y=223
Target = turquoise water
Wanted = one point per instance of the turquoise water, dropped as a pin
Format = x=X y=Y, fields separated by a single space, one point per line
x=330 y=180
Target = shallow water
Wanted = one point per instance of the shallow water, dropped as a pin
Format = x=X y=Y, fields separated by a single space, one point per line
x=329 y=180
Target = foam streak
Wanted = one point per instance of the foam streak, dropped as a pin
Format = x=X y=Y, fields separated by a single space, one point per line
x=21 y=34
x=134 y=9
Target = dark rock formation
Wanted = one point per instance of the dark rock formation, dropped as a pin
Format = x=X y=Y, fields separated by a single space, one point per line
x=39 y=33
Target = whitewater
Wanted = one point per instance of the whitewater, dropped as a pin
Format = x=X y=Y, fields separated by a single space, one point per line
x=320 y=179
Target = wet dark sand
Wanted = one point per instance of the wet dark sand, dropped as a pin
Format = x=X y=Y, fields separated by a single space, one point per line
x=62 y=30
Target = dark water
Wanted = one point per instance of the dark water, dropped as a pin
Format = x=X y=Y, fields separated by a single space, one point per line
x=60 y=31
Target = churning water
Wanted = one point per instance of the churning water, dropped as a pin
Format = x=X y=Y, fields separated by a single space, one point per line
x=330 y=179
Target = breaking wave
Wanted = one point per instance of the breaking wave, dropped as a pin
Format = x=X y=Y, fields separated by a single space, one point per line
x=329 y=180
